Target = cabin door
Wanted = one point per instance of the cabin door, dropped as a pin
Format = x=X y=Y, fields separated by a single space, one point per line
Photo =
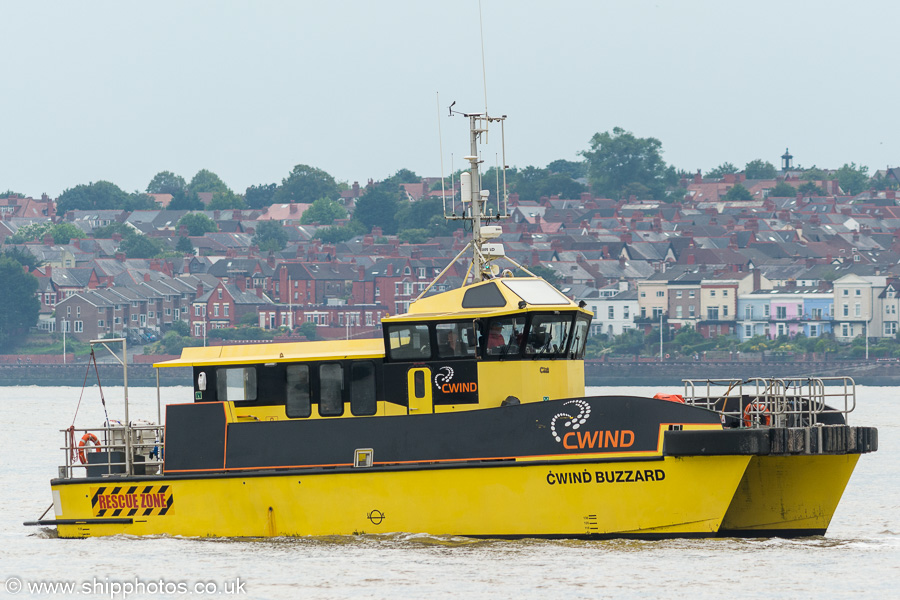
x=418 y=384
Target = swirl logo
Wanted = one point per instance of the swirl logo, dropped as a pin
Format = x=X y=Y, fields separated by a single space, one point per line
x=443 y=376
x=584 y=411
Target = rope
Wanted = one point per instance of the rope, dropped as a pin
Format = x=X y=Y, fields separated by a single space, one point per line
x=70 y=432
x=100 y=386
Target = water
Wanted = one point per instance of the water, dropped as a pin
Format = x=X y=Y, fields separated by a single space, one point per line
x=860 y=556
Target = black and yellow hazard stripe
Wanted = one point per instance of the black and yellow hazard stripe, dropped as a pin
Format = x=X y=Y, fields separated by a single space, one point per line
x=145 y=501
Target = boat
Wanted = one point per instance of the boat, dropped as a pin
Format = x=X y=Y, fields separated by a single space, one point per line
x=468 y=417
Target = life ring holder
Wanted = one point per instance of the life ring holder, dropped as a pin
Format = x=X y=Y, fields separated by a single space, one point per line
x=756 y=409
x=82 y=445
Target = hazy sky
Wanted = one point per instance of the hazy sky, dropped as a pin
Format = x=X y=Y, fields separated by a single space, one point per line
x=122 y=90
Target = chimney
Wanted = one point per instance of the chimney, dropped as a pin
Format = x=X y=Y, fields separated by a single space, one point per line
x=199 y=289
x=48 y=239
x=293 y=208
x=147 y=277
x=259 y=292
x=355 y=189
x=756 y=280
x=48 y=271
x=241 y=282
x=390 y=270
x=117 y=237
x=698 y=178
x=729 y=178
x=621 y=262
x=691 y=259
x=362 y=273
x=120 y=256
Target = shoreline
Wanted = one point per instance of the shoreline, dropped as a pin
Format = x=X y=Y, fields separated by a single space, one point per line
x=648 y=372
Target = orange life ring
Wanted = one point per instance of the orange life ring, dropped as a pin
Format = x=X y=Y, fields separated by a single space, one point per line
x=88 y=437
x=757 y=409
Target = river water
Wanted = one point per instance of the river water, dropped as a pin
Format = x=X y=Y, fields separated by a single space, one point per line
x=859 y=557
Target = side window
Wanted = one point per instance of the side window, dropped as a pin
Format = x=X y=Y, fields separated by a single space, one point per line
x=455 y=340
x=298 y=403
x=362 y=388
x=504 y=336
x=579 y=339
x=331 y=390
x=409 y=342
x=236 y=384
x=548 y=335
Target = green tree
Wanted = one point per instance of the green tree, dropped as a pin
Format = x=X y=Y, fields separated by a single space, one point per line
x=323 y=211
x=260 y=196
x=184 y=245
x=197 y=224
x=225 y=200
x=377 y=207
x=181 y=327
x=207 y=181
x=546 y=273
x=427 y=213
x=309 y=330
x=811 y=189
x=106 y=232
x=852 y=179
x=783 y=190
x=62 y=233
x=186 y=200
x=414 y=236
x=173 y=342
x=402 y=176
x=574 y=169
x=166 y=182
x=101 y=195
x=19 y=306
x=760 y=169
x=305 y=185
x=618 y=160
x=140 y=246
x=726 y=168
x=139 y=201
x=335 y=234
x=23 y=257
x=738 y=192
x=270 y=236
x=814 y=174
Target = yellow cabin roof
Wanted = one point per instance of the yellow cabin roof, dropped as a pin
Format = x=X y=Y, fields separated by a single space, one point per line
x=510 y=291
x=269 y=353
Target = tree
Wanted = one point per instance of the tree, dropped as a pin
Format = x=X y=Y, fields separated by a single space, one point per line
x=260 y=196
x=62 y=233
x=106 y=232
x=323 y=211
x=23 y=257
x=852 y=179
x=726 y=168
x=811 y=189
x=814 y=174
x=783 y=190
x=184 y=245
x=186 y=200
x=335 y=234
x=139 y=201
x=166 y=182
x=414 y=236
x=574 y=169
x=377 y=207
x=619 y=159
x=18 y=304
x=140 y=246
x=402 y=176
x=738 y=192
x=207 y=181
x=309 y=329
x=225 y=200
x=197 y=224
x=101 y=195
x=305 y=185
x=759 y=169
x=547 y=274
x=271 y=236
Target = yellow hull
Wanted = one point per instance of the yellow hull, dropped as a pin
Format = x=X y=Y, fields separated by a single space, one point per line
x=788 y=495
x=675 y=497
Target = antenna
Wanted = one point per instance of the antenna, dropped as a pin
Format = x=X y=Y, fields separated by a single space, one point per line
x=441 y=146
x=483 y=70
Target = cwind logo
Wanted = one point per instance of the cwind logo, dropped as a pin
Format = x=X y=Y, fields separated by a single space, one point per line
x=443 y=381
x=580 y=440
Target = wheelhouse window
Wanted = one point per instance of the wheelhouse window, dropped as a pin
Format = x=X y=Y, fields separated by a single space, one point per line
x=548 y=335
x=409 y=342
x=362 y=388
x=455 y=340
x=298 y=391
x=579 y=338
x=504 y=337
x=331 y=390
x=236 y=384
